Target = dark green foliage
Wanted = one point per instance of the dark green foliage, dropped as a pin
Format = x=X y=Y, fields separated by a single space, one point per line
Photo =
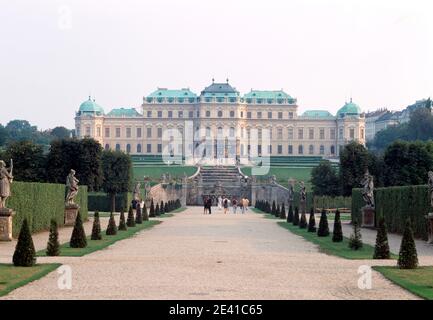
x=96 y=229
x=396 y=204
x=312 y=221
x=24 y=255
x=408 y=257
x=53 y=245
x=178 y=204
x=157 y=213
x=296 y=217
x=324 y=180
x=117 y=168
x=29 y=161
x=152 y=210
x=138 y=215
x=303 y=222
x=102 y=202
x=290 y=215
x=82 y=155
x=283 y=212
x=381 y=249
x=161 y=207
x=278 y=211
x=60 y=133
x=144 y=213
x=354 y=160
x=274 y=209
x=122 y=223
x=355 y=241
x=337 y=233
x=111 y=228
x=130 y=222
x=323 y=230
x=78 y=237
x=166 y=208
x=49 y=198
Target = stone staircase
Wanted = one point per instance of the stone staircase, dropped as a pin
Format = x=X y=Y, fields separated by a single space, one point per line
x=227 y=176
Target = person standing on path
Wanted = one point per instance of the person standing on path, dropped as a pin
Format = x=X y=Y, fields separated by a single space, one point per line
x=220 y=202
x=205 y=205
x=235 y=205
x=209 y=205
x=225 y=205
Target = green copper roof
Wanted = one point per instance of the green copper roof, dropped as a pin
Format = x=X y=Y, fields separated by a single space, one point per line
x=122 y=112
x=91 y=106
x=260 y=94
x=220 y=90
x=349 y=108
x=317 y=114
x=166 y=93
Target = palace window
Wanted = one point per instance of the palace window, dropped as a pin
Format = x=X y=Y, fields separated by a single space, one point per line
x=341 y=133
x=149 y=148
x=191 y=114
x=98 y=131
x=138 y=132
x=311 y=133
x=207 y=113
x=290 y=115
x=117 y=147
x=198 y=114
x=280 y=149
x=159 y=148
x=269 y=114
x=249 y=114
x=128 y=132
x=159 y=114
x=332 y=133
x=232 y=132
x=311 y=149
x=259 y=149
x=220 y=131
x=300 y=133
x=332 y=150
x=259 y=114
x=107 y=147
x=220 y=114
x=170 y=114
x=149 y=114
x=290 y=133
x=280 y=133
x=290 y=149
x=159 y=132
x=88 y=131
x=180 y=114
x=139 y=148
x=107 y=132
x=280 y=115
x=242 y=114
x=232 y=114
x=352 y=133
x=128 y=148
x=117 y=132
x=322 y=133
x=300 y=149
x=322 y=149
x=149 y=132
x=270 y=149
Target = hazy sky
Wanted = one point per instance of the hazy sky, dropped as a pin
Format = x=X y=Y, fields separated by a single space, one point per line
x=54 y=53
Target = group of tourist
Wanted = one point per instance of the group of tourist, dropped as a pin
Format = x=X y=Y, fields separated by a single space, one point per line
x=225 y=203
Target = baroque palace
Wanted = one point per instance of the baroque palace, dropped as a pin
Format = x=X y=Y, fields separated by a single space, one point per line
x=223 y=124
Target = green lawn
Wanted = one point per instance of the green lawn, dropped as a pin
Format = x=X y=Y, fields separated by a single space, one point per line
x=283 y=174
x=326 y=245
x=94 y=245
x=418 y=281
x=155 y=172
x=12 y=277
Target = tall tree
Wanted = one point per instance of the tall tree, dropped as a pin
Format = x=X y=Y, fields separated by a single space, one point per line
x=4 y=135
x=117 y=168
x=60 y=133
x=354 y=160
x=325 y=180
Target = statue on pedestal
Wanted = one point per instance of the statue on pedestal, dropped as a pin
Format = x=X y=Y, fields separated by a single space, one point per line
x=72 y=186
x=5 y=183
x=302 y=196
x=368 y=189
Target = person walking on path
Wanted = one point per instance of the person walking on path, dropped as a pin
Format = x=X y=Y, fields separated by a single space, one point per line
x=225 y=205
x=234 y=204
x=246 y=203
x=205 y=210
x=209 y=205
x=220 y=203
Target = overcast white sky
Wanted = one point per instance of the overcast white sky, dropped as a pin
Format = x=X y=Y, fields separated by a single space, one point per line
x=54 y=53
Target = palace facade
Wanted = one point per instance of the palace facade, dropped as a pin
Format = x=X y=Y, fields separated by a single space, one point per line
x=220 y=122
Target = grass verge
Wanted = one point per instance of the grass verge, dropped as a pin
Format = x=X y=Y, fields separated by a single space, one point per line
x=12 y=277
x=94 y=245
x=417 y=281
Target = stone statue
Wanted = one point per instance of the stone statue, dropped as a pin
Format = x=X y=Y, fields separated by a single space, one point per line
x=430 y=186
x=136 y=194
x=72 y=185
x=163 y=178
x=302 y=192
x=291 y=190
x=5 y=183
x=273 y=179
x=368 y=189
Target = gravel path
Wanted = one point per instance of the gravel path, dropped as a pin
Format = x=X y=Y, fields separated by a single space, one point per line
x=193 y=256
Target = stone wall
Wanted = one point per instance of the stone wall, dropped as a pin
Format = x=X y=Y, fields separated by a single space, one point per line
x=166 y=192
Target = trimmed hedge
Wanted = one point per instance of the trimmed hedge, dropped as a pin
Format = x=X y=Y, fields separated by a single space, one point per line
x=41 y=202
x=325 y=202
x=396 y=204
x=99 y=201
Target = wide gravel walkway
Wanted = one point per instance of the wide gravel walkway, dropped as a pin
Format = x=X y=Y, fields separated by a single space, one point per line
x=193 y=256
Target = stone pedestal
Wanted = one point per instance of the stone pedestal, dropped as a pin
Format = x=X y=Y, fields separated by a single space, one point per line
x=6 y=224
x=71 y=212
x=368 y=217
x=430 y=227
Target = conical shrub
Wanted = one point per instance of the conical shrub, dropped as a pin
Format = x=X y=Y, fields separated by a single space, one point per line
x=337 y=233
x=144 y=212
x=166 y=210
x=283 y=212
x=130 y=222
x=122 y=222
x=78 y=237
x=157 y=213
x=381 y=249
x=53 y=245
x=290 y=215
x=408 y=257
x=355 y=241
x=138 y=216
x=323 y=230
x=111 y=228
x=303 y=221
x=24 y=255
x=161 y=208
x=312 y=222
x=96 y=229
x=278 y=211
x=274 y=208
x=152 y=210
x=296 y=217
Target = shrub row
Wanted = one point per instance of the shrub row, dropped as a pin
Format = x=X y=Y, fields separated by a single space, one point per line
x=100 y=201
x=396 y=204
x=41 y=202
x=326 y=202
